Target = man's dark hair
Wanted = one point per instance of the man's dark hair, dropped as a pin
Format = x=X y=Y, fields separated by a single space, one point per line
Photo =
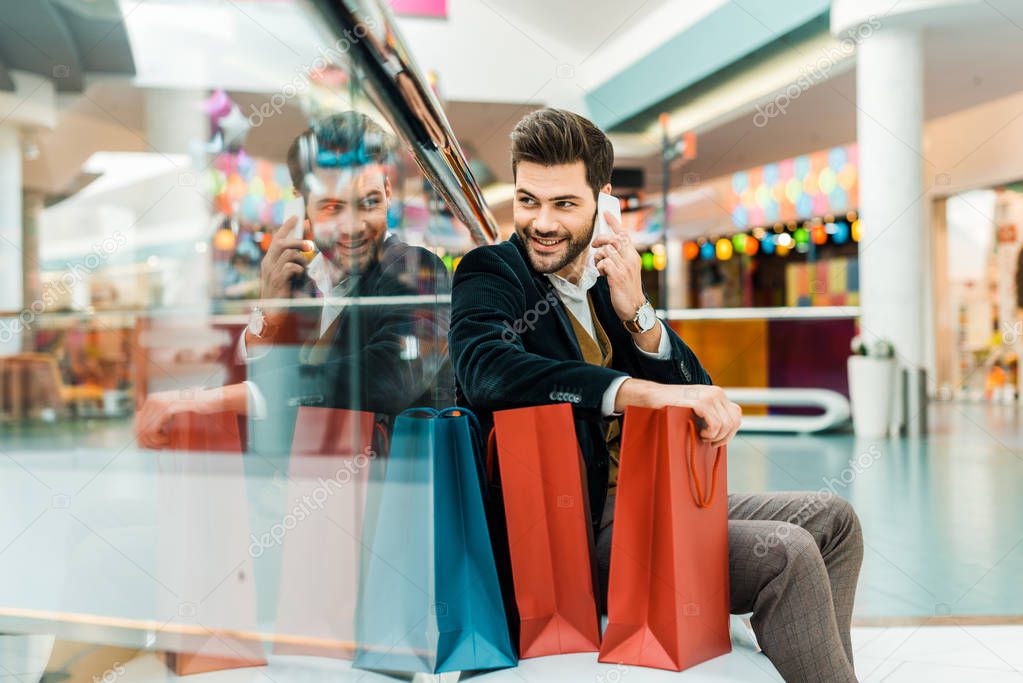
x=552 y=137
x=350 y=138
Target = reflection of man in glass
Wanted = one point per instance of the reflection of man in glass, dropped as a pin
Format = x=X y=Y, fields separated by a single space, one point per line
x=349 y=348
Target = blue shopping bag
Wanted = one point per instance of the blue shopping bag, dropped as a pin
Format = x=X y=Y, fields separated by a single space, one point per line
x=429 y=598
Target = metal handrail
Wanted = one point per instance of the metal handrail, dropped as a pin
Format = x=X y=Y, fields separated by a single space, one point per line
x=400 y=90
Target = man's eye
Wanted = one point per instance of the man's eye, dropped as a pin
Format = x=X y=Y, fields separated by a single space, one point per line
x=566 y=205
x=526 y=201
x=370 y=203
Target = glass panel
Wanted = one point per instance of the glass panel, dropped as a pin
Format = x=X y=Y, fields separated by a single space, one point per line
x=230 y=230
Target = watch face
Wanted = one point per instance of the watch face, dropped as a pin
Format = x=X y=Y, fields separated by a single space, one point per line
x=256 y=322
x=646 y=317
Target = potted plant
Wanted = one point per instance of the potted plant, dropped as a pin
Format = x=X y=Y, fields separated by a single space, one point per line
x=871 y=386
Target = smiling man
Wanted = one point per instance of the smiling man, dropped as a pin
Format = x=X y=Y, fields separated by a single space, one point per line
x=546 y=317
x=324 y=333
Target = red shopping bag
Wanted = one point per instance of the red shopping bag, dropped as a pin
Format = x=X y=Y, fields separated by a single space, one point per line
x=549 y=533
x=321 y=535
x=195 y=492
x=668 y=586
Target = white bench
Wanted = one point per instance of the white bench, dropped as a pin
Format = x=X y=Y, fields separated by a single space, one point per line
x=835 y=406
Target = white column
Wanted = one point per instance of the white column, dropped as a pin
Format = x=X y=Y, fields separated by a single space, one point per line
x=11 y=294
x=176 y=124
x=892 y=258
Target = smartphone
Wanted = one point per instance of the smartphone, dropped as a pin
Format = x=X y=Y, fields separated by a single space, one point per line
x=295 y=208
x=606 y=203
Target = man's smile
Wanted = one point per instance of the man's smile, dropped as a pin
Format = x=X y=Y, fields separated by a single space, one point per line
x=546 y=244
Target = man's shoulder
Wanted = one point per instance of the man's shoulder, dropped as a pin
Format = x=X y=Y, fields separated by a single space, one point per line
x=490 y=257
x=397 y=250
x=413 y=268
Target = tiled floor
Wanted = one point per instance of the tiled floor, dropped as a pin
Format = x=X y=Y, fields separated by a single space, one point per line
x=942 y=654
x=939 y=653
x=942 y=518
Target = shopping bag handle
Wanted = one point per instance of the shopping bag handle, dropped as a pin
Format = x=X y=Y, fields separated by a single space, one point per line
x=385 y=440
x=491 y=453
x=421 y=412
x=699 y=498
x=476 y=431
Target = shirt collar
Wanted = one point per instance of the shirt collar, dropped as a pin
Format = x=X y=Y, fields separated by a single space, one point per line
x=576 y=292
x=321 y=273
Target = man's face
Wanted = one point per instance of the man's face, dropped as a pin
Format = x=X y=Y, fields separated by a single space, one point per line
x=553 y=214
x=347 y=208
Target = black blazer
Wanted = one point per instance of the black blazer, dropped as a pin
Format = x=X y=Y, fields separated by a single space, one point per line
x=512 y=345
x=383 y=357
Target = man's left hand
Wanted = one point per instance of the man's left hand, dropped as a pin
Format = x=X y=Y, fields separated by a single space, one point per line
x=618 y=260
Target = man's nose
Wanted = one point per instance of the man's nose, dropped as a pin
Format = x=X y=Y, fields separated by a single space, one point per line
x=349 y=224
x=545 y=221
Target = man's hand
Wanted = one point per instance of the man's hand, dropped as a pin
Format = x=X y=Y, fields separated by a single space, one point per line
x=618 y=260
x=283 y=261
x=720 y=417
x=153 y=420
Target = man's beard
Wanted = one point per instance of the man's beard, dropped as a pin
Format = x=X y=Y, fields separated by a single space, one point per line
x=543 y=263
x=348 y=264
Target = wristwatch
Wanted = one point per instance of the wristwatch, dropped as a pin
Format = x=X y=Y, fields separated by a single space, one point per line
x=258 y=326
x=644 y=321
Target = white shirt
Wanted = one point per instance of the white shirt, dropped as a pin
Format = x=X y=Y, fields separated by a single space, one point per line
x=573 y=296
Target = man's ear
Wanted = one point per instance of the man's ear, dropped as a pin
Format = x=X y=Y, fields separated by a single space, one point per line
x=606 y=189
x=387 y=187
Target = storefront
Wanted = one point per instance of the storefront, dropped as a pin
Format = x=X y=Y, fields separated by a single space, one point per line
x=979 y=273
x=771 y=271
x=791 y=239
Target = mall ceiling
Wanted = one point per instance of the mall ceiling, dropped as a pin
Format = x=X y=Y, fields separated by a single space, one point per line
x=966 y=65
x=63 y=40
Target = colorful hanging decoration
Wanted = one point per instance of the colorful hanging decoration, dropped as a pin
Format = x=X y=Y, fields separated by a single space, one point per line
x=778 y=242
x=818 y=184
x=224 y=239
x=248 y=188
x=819 y=234
x=723 y=249
x=707 y=251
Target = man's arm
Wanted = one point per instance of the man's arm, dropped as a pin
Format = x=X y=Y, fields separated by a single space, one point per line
x=491 y=364
x=721 y=418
